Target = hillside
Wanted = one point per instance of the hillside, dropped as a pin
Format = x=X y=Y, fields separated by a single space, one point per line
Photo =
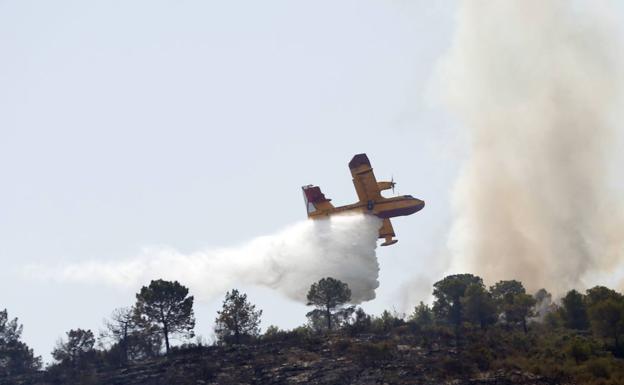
x=361 y=360
x=471 y=335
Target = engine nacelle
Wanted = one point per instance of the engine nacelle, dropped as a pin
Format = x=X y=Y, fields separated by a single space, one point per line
x=385 y=185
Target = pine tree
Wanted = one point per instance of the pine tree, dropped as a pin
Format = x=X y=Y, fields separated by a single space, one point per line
x=165 y=307
x=329 y=295
x=238 y=320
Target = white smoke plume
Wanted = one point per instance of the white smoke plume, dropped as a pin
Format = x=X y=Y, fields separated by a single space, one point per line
x=543 y=305
x=537 y=84
x=342 y=247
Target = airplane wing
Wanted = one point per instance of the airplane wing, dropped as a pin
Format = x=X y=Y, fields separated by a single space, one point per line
x=364 y=180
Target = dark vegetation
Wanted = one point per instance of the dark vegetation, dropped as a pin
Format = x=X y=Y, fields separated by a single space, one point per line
x=471 y=334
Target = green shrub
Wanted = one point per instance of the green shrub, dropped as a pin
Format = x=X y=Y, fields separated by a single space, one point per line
x=579 y=350
x=520 y=342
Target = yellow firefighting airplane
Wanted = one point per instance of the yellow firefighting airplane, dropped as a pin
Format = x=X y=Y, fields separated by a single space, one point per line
x=371 y=202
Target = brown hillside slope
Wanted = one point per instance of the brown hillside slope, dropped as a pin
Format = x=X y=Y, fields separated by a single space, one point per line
x=359 y=361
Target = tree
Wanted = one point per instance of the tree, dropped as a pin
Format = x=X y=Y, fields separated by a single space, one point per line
x=520 y=310
x=272 y=332
x=387 y=321
x=128 y=341
x=512 y=300
x=423 y=315
x=504 y=291
x=10 y=330
x=119 y=329
x=478 y=307
x=166 y=308
x=15 y=356
x=76 y=349
x=605 y=308
x=448 y=293
x=238 y=319
x=574 y=311
x=361 y=322
x=598 y=294
x=607 y=320
x=329 y=295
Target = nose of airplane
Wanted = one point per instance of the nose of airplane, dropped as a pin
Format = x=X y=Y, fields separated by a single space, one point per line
x=419 y=204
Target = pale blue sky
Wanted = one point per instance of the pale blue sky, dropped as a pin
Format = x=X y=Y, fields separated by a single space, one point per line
x=191 y=124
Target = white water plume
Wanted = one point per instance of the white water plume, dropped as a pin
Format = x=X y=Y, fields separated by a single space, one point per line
x=537 y=83
x=289 y=261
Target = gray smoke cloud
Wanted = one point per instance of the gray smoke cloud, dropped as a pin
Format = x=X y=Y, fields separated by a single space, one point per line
x=537 y=83
x=289 y=261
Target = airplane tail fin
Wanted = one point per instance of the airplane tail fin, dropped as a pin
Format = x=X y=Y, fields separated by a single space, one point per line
x=315 y=200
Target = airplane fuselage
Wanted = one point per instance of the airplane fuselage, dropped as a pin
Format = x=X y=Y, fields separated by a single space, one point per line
x=382 y=208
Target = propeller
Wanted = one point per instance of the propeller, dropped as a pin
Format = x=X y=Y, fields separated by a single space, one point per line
x=392 y=184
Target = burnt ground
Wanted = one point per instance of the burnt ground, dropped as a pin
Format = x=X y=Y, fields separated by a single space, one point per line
x=362 y=360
